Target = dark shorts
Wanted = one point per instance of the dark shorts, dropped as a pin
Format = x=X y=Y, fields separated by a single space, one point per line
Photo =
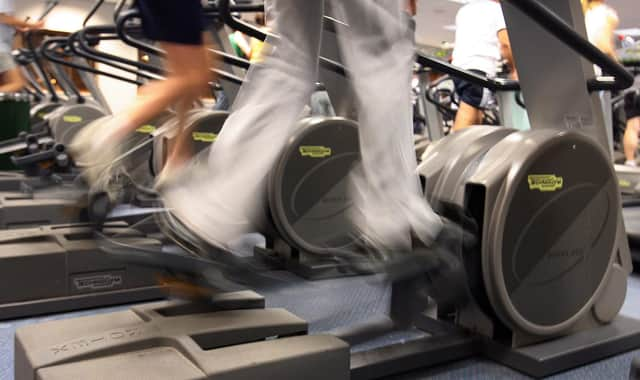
x=472 y=94
x=176 y=21
x=632 y=104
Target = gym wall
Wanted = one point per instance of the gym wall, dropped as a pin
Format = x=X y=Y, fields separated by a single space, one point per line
x=68 y=17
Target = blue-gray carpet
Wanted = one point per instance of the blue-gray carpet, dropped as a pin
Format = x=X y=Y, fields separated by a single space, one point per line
x=330 y=304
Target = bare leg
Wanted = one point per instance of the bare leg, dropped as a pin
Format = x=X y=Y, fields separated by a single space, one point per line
x=180 y=149
x=189 y=75
x=467 y=116
x=12 y=81
x=630 y=139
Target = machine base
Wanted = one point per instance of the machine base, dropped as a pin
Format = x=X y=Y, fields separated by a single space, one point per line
x=23 y=210
x=80 y=302
x=61 y=268
x=544 y=359
x=631 y=213
x=310 y=267
x=233 y=337
x=442 y=343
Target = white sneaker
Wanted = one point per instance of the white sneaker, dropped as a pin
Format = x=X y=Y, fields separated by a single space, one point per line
x=208 y=220
x=92 y=151
x=631 y=163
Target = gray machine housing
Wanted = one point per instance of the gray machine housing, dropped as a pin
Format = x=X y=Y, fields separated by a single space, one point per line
x=59 y=268
x=484 y=174
x=482 y=178
x=234 y=337
x=487 y=170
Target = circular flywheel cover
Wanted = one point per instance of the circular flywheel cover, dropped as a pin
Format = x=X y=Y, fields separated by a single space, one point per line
x=554 y=236
x=308 y=189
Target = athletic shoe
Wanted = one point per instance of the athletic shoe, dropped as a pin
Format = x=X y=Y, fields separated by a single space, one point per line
x=234 y=269
x=92 y=151
x=164 y=180
x=438 y=264
x=181 y=235
x=195 y=205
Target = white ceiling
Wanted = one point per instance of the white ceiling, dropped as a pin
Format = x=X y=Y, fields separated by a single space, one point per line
x=434 y=15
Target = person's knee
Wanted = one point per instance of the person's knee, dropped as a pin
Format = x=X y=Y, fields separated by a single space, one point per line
x=189 y=68
x=196 y=82
x=633 y=125
x=468 y=112
x=12 y=78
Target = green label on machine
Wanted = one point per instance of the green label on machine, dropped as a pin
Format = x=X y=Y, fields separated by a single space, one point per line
x=624 y=183
x=72 y=119
x=545 y=182
x=41 y=115
x=207 y=137
x=148 y=129
x=315 y=151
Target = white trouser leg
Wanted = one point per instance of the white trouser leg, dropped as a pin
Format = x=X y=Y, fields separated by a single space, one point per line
x=264 y=115
x=378 y=49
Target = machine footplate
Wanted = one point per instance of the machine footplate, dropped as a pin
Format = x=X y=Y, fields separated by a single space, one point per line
x=171 y=340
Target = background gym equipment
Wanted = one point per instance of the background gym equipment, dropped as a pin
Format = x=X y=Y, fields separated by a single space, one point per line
x=14 y=109
x=537 y=321
x=560 y=170
x=48 y=191
x=66 y=257
x=59 y=268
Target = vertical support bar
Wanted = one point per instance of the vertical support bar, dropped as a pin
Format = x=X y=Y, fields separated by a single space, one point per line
x=554 y=78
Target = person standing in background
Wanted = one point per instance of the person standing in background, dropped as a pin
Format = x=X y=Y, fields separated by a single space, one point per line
x=480 y=44
x=601 y=21
x=632 y=111
x=10 y=78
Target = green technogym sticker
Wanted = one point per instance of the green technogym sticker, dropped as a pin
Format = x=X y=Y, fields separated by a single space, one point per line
x=624 y=183
x=545 y=182
x=207 y=137
x=315 y=151
x=148 y=129
x=72 y=119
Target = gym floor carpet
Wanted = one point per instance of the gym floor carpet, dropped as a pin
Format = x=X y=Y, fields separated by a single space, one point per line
x=330 y=304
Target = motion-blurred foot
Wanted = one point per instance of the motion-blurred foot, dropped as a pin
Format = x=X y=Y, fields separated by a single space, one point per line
x=95 y=151
x=192 y=205
x=437 y=264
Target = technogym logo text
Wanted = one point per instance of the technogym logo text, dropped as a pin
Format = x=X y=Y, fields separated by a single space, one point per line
x=72 y=119
x=545 y=182
x=206 y=137
x=146 y=129
x=315 y=151
x=98 y=282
